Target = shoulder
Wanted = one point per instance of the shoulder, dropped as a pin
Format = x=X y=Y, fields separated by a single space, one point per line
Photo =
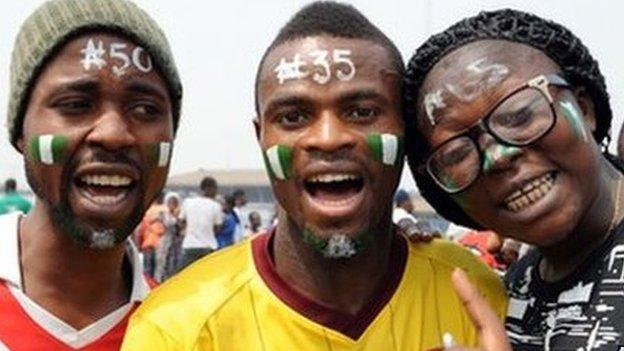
x=450 y=254
x=186 y=301
x=444 y=256
x=517 y=272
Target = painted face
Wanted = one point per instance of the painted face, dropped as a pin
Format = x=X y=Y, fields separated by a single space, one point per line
x=537 y=193
x=97 y=137
x=331 y=132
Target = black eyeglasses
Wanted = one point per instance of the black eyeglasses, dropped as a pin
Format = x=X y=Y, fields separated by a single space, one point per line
x=519 y=119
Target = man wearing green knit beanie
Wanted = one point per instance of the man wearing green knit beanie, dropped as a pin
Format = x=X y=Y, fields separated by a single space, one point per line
x=94 y=105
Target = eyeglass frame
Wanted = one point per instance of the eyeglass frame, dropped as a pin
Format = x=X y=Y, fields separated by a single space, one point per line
x=539 y=83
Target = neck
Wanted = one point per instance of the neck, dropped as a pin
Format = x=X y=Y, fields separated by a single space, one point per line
x=76 y=284
x=345 y=285
x=592 y=230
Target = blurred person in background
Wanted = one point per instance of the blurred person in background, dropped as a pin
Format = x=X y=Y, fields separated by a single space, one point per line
x=201 y=217
x=168 y=253
x=231 y=223
x=255 y=224
x=150 y=231
x=12 y=201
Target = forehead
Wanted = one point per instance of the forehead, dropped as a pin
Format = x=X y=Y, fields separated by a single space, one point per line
x=521 y=61
x=471 y=78
x=106 y=57
x=372 y=62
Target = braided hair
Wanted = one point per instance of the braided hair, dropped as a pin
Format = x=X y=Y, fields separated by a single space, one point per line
x=553 y=39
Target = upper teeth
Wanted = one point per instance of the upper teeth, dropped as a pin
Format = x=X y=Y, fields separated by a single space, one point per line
x=328 y=178
x=529 y=193
x=106 y=180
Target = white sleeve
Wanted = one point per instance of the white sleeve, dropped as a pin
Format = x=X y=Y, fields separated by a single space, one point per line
x=218 y=215
x=182 y=214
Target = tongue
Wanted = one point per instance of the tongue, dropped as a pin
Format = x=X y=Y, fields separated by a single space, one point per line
x=333 y=192
x=94 y=190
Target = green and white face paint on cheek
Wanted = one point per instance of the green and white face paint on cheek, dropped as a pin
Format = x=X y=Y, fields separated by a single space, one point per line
x=49 y=149
x=573 y=116
x=160 y=153
x=279 y=161
x=386 y=148
x=496 y=151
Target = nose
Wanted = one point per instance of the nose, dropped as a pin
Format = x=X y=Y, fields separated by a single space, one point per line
x=497 y=156
x=111 y=131
x=328 y=133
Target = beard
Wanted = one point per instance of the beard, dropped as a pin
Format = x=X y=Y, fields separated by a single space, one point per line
x=338 y=245
x=63 y=217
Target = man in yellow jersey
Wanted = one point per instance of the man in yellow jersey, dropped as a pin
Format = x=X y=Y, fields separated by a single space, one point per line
x=333 y=275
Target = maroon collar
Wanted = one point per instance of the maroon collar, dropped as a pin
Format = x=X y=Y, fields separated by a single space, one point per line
x=352 y=326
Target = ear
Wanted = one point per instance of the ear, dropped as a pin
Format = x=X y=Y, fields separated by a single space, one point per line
x=257 y=127
x=21 y=144
x=586 y=104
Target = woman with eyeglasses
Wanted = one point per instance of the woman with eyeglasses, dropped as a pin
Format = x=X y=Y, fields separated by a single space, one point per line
x=511 y=121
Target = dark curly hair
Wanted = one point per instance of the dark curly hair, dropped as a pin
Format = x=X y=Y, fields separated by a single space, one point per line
x=553 y=39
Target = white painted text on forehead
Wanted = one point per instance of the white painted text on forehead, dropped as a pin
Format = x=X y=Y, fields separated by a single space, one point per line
x=319 y=65
x=481 y=75
x=118 y=55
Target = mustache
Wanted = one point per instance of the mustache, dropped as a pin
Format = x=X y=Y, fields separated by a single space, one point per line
x=331 y=156
x=117 y=157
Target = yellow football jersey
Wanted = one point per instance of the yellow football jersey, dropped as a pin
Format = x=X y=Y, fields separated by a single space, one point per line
x=234 y=300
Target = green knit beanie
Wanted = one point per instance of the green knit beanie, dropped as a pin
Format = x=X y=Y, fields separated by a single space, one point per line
x=57 y=21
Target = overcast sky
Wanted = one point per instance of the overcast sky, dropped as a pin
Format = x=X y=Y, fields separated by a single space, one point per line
x=217 y=46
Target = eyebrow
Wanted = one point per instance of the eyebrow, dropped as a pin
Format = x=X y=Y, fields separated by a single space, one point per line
x=147 y=88
x=366 y=94
x=84 y=85
x=289 y=100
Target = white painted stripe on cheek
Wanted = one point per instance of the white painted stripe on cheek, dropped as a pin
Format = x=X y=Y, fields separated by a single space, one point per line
x=390 y=145
x=45 y=149
x=274 y=162
x=163 y=155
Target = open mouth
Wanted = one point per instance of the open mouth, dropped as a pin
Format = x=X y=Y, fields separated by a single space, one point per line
x=530 y=193
x=334 y=189
x=104 y=189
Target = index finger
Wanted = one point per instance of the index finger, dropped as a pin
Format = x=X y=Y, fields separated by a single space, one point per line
x=489 y=327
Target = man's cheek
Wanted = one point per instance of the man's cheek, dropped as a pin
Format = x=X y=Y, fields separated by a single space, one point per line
x=386 y=148
x=156 y=157
x=49 y=149
x=46 y=158
x=278 y=160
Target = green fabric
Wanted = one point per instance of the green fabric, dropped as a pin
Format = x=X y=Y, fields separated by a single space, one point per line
x=57 y=21
x=12 y=202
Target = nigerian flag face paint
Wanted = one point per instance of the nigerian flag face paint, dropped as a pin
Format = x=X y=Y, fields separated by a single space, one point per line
x=278 y=159
x=49 y=149
x=573 y=115
x=161 y=153
x=387 y=148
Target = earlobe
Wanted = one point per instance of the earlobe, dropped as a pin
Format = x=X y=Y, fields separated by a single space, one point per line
x=20 y=144
x=257 y=128
x=586 y=104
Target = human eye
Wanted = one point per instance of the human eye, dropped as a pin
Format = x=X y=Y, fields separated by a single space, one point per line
x=452 y=155
x=362 y=114
x=74 y=105
x=516 y=119
x=147 y=111
x=292 y=119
